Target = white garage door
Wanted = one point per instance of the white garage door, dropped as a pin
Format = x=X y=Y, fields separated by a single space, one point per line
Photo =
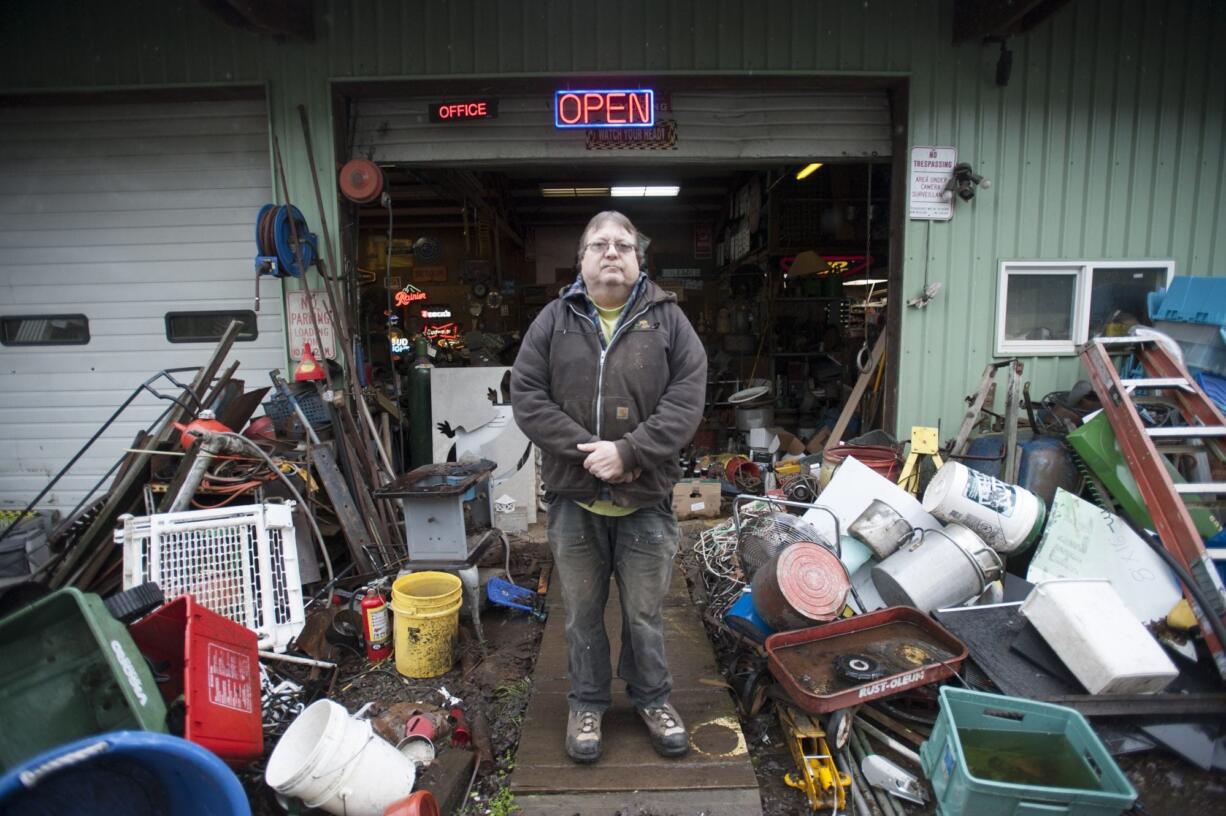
x=112 y=217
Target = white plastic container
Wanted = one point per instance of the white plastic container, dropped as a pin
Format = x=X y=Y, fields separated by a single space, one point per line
x=1009 y=518
x=330 y=760
x=1098 y=637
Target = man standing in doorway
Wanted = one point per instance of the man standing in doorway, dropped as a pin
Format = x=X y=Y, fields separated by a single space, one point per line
x=610 y=383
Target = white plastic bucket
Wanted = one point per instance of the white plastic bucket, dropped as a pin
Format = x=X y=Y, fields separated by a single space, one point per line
x=330 y=760
x=1009 y=518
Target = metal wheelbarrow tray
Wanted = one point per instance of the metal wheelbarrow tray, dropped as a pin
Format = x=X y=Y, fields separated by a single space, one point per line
x=892 y=649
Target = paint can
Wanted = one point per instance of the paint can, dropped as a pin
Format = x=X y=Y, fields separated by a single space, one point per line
x=801 y=586
x=1009 y=518
x=939 y=568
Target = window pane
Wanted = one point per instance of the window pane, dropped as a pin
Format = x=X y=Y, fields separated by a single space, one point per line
x=1117 y=297
x=208 y=327
x=1040 y=307
x=45 y=330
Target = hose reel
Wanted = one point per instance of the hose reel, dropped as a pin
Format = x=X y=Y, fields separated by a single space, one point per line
x=276 y=251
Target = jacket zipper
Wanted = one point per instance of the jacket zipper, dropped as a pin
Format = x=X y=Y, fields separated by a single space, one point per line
x=604 y=350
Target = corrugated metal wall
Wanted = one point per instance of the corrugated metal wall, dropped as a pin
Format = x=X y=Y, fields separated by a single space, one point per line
x=1108 y=142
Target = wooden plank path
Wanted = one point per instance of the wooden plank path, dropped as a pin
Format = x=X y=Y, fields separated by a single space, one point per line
x=714 y=779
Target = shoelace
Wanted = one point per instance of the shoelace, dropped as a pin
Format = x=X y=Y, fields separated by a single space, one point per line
x=662 y=715
x=588 y=721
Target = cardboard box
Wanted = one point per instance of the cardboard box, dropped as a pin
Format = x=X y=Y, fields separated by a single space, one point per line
x=818 y=442
x=789 y=443
x=696 y=498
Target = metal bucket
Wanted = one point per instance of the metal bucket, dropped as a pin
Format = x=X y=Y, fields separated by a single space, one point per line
x=938 y=569
x=881 y=527
x=803 y=585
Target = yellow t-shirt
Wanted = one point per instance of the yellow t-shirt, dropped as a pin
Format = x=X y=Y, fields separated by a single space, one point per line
x=604 y=507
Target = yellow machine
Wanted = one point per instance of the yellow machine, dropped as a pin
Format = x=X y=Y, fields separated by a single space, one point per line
x=924 y=442
x=819 y=778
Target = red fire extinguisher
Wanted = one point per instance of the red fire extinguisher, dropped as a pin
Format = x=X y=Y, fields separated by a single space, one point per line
x=376 y=626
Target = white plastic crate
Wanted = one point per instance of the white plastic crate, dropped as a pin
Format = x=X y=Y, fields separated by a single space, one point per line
x=240 y=562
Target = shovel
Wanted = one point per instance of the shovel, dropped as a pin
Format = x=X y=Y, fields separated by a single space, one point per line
x=505 y=593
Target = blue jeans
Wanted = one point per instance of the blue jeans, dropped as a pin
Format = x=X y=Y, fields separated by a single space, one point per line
x=638 y=551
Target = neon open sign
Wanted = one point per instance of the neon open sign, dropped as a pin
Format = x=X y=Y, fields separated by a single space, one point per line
x=604 y=108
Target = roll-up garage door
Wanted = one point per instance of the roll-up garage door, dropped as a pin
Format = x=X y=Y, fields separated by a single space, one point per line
x=125 y=248
x=691 y=126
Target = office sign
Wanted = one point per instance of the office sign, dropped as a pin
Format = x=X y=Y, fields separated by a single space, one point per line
x=463 y=110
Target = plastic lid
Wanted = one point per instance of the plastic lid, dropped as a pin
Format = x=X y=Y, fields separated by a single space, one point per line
x=813 y=580
x=749 y=394
x=421 y=803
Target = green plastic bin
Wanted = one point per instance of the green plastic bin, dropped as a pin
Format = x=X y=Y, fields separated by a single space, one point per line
x=1011 y=720
x=70 y=670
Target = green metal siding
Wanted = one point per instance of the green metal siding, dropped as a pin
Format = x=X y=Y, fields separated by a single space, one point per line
x=1107 y=143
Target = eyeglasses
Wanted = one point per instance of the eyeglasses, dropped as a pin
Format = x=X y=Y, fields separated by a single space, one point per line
x=601 y=247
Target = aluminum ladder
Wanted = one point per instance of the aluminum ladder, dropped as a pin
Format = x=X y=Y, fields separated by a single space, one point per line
x=1140 y=446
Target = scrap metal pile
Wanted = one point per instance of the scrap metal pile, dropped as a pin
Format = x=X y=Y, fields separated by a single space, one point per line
x=947 y=629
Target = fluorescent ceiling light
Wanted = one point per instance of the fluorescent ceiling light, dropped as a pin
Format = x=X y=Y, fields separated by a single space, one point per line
x=569 y=191
x=808 y=170
x=864 y=282
x=638 y=192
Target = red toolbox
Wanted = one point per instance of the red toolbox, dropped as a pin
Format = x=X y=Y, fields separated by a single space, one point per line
x=213 y=663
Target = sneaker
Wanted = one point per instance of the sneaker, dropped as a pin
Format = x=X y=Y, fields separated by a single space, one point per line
x=583 y=736
x=668 y=734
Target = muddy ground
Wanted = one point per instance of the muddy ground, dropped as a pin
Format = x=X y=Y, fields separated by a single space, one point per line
x=497 y=685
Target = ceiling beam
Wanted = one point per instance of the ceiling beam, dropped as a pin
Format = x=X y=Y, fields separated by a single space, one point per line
x=976 y=20
x=281 y=19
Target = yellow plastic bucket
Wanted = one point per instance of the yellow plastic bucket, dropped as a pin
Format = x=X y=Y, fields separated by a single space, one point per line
x=426 y=606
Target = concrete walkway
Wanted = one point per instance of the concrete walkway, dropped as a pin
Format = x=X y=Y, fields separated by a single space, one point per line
x=714 y=779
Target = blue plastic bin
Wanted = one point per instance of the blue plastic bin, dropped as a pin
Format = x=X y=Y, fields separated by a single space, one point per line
x=960 y=793
x=1190 y=299
x=124 y=773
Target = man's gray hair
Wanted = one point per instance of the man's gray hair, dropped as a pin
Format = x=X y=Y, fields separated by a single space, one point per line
x=641 y=241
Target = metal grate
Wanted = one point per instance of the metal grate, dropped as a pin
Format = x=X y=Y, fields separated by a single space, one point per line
x=240 y=562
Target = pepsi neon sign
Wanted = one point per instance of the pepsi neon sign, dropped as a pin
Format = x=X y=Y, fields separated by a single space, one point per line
x=605 y=108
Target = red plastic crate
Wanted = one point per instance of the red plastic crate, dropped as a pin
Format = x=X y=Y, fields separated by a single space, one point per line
x=214 y=664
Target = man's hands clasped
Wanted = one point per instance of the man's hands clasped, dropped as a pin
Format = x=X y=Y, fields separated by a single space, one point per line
x=605 y=463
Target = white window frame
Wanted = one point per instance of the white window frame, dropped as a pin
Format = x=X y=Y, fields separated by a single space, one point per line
x=1084 y=271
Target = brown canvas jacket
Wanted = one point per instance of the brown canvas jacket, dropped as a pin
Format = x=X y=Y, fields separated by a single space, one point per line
x=648 y=396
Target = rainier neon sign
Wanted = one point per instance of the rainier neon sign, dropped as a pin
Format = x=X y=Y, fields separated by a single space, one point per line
x=604 y=108
x=409 y=294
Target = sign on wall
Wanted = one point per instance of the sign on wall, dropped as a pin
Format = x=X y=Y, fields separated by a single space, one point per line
x=463 y=110
x=613 y=108
x=931 y=169
x=302 y=328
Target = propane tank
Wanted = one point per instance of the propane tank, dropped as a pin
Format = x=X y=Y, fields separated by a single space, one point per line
x=421 y=429
x=376 y=627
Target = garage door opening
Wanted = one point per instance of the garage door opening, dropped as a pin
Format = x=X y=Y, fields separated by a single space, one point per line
x=782 y=273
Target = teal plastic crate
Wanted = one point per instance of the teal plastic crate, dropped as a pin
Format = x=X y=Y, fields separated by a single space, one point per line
x=1061 y=731
x=70 y=670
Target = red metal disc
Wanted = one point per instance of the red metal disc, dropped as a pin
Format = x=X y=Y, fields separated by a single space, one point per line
x=361 y=181
x=812 y=580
